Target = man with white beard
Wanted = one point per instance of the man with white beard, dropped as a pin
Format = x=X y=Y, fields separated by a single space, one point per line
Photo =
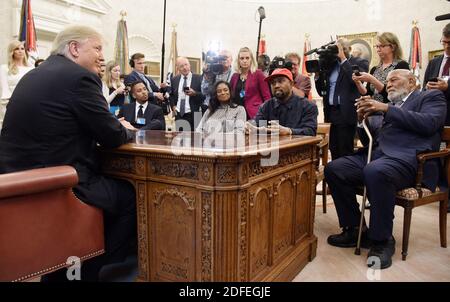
x=411 y=124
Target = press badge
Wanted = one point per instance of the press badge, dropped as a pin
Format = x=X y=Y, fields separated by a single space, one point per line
x=242 y=94
x=140 y=121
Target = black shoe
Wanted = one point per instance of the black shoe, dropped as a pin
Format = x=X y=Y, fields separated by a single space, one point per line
x=383 y=250
x=349 y=238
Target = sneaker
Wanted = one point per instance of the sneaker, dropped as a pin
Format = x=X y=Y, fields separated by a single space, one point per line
x=349 y=238
x=383 y=250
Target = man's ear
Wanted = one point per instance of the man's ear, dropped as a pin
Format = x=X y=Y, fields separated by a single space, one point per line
x=74 y=49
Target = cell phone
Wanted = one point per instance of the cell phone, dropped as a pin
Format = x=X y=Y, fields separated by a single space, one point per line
x=433 y=80
x=186 y=89
x=356 y=70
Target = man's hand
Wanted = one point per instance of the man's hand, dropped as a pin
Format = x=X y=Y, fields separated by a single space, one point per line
x=159 y=96
x=191 y=92
x=341 y=53
x=276 y=127
x=440 y=85
x=127 y=124
x=367 y=106
x=164 y=85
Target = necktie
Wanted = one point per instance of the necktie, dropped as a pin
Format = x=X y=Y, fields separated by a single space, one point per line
x=183 y=99
x=140 y=112
x=445 y=70
x=146 y=82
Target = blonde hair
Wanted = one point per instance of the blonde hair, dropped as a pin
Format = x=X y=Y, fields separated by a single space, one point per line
x=252 y=60
x=77 y=33
x=12 y=67
x=391 y=39
x=110 y=82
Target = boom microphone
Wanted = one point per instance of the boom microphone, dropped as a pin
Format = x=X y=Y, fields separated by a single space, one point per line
x=443 y=17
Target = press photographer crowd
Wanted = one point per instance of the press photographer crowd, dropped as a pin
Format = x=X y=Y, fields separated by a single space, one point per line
x=380 y=116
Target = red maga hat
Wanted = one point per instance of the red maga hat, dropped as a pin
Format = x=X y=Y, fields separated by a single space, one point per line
x=280 y=72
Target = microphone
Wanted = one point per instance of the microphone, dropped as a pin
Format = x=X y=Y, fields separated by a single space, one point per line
x=442 y=17
x=262 y=13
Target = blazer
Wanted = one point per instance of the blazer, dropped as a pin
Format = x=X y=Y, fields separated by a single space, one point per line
x=256 y=91
x=195 y=102
x=153 y=114
x=345 y=90
x=413 y=128
x=56 y=116
x=134 y=77
x=432 y=72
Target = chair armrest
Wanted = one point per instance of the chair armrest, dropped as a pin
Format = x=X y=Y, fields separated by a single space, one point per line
x=37 y=180
x=422 y=158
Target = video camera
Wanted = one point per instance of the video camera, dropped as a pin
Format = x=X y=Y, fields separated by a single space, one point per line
x=328 y=55
x=214 y=63
x=279 y=62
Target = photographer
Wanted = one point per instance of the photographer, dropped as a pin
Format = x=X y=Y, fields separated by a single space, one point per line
x=217 y=68
x=302 y=83
x=339 y=93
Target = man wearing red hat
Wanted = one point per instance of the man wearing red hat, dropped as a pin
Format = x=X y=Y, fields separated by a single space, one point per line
x=286 y=112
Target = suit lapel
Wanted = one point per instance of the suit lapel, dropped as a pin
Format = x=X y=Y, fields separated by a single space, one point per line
x=437 y=66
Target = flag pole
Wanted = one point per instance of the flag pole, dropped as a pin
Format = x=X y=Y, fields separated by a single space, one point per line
x=163 y=51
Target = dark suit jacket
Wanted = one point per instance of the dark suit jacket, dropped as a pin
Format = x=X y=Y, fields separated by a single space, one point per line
x=414 y=128
x=154 y=117
x=194 y=102
x=345 y=89
x=432 y=72
x=134 y=77
x=56 y=116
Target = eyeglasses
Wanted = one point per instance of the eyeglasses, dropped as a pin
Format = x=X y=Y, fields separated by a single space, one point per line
x=443 y=42
x=381 y=46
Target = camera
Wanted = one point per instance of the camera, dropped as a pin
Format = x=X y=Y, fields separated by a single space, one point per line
x=328 y=55
x=356 y=71
x=279 y=62
x=214 y=63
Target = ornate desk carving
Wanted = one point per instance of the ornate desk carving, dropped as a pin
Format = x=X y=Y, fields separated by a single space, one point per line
x=218 y=214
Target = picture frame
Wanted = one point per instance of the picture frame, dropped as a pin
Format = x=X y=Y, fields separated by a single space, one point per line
x=195 y=65
x=434 y=53
x=364 y=43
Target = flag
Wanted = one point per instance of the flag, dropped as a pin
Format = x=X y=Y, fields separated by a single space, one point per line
x=27 y=31
x=121 y=49
x=262 y=46
x=172 y=62
x=306 y=48
x=415 y=55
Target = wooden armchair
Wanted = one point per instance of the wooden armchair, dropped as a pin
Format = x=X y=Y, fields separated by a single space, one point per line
x=42 y=223
x=414 y=197
x=323 y=129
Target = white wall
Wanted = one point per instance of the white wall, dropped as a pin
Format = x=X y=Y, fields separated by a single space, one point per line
x=234 y=23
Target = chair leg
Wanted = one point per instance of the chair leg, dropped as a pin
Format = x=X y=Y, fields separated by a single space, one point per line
x=324 y=196
x=443 y=222
x=406 y=228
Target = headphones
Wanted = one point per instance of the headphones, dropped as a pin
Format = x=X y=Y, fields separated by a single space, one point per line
x=133 y=57
x=132 y=61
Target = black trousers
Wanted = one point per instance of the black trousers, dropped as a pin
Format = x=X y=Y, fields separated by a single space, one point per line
x=119 y=228
x=342 y=134
x=383 y=177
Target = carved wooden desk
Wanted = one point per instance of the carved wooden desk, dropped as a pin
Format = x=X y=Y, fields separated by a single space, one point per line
x=218 y=214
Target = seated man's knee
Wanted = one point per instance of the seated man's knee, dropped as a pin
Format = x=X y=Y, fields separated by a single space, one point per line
x=373 y=173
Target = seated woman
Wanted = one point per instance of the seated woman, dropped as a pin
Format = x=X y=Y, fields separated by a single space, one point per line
x=223 y=115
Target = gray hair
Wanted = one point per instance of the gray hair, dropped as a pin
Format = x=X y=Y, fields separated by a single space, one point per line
x=77 y=33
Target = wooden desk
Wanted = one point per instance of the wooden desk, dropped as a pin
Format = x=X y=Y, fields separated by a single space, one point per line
x=215 y=213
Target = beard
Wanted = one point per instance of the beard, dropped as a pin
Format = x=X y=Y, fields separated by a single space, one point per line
x=398 y=95
x=280 y=94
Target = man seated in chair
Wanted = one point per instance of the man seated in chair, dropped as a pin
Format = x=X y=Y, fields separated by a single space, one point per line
x=142 y=114
x=412 y=123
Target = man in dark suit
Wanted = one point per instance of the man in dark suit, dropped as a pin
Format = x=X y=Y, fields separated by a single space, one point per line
x=339 y=97
x=186 y=97
x=57 y=116
x=156 y=94
x=412 y=124
x=437 y=73
x=141 y=114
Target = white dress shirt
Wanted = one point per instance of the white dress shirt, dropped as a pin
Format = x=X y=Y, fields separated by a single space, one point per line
x=182 y=95
x=144 y=107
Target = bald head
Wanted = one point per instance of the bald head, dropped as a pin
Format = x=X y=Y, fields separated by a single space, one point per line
x=400 y=83
x=183 y=66
x=345 y=43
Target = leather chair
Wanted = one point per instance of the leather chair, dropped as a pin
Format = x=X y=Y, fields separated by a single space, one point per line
x=323 y=130
x=42 y=223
